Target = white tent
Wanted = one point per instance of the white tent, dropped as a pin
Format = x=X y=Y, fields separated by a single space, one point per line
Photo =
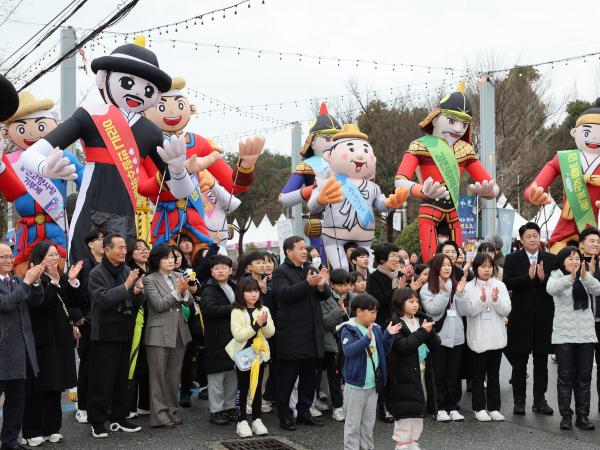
x=547 y=217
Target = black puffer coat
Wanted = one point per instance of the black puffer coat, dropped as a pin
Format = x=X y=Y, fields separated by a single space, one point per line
x=405 y=398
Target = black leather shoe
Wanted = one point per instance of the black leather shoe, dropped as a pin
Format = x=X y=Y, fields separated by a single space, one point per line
x=584 y=423
x=219 y=418
x=309 y=420
x=566 y=423
x=288 y=424
x=185 y=401
x=542 y=407
x=519 y=409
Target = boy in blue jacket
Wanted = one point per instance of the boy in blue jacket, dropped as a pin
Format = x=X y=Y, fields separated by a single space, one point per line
x=365 y=348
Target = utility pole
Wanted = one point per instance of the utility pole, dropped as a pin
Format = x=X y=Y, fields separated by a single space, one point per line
x=487 y=130
x=68 y=85
x=297 y=223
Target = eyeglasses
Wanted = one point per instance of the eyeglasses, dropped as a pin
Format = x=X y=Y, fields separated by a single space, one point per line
x=142 y=249
x=7 y=257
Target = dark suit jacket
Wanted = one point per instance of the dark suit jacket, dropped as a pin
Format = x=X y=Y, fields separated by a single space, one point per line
x=17 y=346
x=530 y=320
x=112 y=306
x=300 y=332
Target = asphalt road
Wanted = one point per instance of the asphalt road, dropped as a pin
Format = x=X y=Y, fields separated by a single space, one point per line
x=529 y=432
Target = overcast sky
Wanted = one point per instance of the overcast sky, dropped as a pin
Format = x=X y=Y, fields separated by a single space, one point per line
x=459 y=34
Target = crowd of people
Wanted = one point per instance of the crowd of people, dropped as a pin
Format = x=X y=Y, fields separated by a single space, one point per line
x=391 y=338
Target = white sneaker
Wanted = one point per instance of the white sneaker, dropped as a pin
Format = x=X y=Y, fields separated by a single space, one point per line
x=54 y=438
x=258 y=428
x=338 y=414
x=321 y=405
x=496 y=416
x=456 y=416
x=243 y=429
x=442 y=416
x=33 y=442
x=81 y=416
x=266 y=406
x=143 y=412
x=315 y=412
x=483 y=416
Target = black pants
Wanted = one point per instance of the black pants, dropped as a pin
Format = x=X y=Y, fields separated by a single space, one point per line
x=241 y=396
x=306 y=372
x=12 y=410
x=575 y=363
x=333 y=380
x=486 y=364
x=271 y=386
x=598 y=363
x=446 y=364
x=83 y=350
x=519 y=376
x=43 y=414
x=108 y=386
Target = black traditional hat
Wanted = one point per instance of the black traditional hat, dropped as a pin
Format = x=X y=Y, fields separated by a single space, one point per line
x=455 y=105
x=324 y=125
x=136 y=60
x=9 y=100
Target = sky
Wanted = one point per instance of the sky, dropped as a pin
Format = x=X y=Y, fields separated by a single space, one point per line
x=458 y=34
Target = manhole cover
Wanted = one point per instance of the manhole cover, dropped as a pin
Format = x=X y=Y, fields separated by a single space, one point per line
x=256 y=444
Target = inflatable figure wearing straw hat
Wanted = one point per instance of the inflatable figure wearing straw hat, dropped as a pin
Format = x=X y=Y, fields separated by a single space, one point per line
x=579 y=169
x=441 y=157
x=348 y=197
x=119 y=144
x=301 y=182
x=203 y=215
x=40 y=202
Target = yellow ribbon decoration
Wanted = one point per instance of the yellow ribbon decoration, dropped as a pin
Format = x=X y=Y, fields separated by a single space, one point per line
x=259 y=346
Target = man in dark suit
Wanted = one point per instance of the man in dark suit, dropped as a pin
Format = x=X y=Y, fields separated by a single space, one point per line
x=530 y=321
x=298 y=293
x=115 y=292
x=17 y=347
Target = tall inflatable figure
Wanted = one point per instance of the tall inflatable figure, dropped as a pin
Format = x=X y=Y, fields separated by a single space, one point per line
x=124 y=151
x=579 y=169
x=204 y=212
x=348 y=197
x=439 y=158
x=40 y=202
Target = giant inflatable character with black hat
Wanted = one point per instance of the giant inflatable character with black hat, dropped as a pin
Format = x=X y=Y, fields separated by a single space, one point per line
x=301 y=182
x=119 y=145
x=442 y=155
x=40 y=202
x=579 y=169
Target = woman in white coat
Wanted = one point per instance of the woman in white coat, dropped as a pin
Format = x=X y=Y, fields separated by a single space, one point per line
x=486 y=303
x=573 y=334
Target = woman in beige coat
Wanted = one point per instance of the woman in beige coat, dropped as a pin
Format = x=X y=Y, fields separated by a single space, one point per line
x=167 y=334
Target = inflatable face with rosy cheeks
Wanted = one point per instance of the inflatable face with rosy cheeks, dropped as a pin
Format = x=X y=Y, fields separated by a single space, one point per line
x=449 y=128
x=26 y=132
x=172 y=113
x=126 y=91
x=352 y=157
x=587 y=137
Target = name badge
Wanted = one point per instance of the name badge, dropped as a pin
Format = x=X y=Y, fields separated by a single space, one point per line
x=486 y=315
x=451 y=313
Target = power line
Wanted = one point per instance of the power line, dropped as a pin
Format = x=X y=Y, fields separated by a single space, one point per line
x=11 y=12
x=118 y=16
x=44 y=26
x=585 y=57
x=47 y=35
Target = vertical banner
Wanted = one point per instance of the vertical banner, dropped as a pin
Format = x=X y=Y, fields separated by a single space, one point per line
x=504 y=227
x=467 y=213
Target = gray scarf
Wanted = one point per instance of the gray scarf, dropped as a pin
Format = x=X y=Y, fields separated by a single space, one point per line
x=391 y=275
